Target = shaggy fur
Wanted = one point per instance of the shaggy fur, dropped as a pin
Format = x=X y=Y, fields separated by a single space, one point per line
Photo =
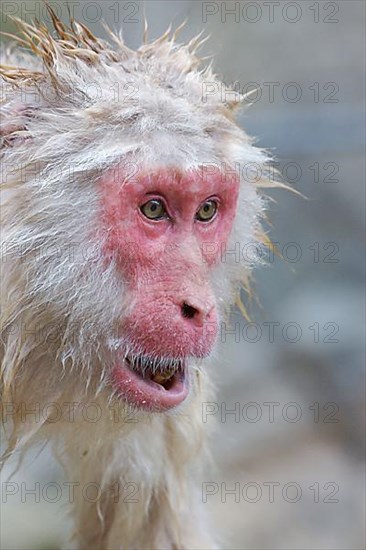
x=72 y=108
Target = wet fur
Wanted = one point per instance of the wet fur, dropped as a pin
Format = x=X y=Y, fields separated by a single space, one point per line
x=60 y=308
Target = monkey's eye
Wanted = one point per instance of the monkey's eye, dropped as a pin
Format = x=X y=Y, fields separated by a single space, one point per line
x=207 y=211
x=154 y=209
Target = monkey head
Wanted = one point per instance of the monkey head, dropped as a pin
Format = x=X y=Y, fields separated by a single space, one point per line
x=128 y=203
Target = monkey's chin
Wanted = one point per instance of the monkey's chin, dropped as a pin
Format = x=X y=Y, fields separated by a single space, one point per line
x=143 y=392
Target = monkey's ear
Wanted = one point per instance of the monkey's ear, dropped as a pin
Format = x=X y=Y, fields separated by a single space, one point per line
x=14 y=120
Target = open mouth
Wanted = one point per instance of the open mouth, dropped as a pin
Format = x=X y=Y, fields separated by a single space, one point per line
x=151 y=383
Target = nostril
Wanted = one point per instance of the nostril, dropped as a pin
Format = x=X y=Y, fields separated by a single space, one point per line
x=188 y=311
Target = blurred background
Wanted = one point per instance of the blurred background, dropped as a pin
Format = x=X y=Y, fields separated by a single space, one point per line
x=289 y=441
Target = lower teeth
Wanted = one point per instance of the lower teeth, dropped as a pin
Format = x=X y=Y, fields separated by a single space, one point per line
x=160 y=379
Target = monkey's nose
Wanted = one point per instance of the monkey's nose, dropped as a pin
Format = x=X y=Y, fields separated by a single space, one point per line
x=195 y=314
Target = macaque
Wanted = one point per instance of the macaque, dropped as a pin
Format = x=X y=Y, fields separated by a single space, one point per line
x=127 y=204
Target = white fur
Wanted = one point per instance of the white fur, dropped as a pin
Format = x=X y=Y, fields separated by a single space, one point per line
x=61 y=307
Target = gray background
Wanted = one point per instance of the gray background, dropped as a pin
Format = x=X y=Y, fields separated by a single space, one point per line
x=316 y=282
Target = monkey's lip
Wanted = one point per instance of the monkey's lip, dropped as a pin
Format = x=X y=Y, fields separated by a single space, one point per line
x=154 y=390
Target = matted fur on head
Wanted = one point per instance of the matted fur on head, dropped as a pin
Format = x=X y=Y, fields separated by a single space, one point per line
x=74 y=106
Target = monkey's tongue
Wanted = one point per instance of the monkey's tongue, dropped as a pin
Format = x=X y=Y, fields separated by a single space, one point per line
x=158 y=392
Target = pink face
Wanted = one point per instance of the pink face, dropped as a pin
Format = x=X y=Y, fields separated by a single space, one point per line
x=165 y=229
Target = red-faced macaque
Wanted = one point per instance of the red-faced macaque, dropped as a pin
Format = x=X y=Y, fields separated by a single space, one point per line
x=130 y=198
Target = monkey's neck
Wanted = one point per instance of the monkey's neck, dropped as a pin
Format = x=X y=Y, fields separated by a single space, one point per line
x=137 y=487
